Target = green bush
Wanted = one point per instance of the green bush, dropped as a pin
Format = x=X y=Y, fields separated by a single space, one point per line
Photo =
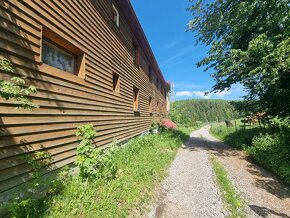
x=94 y=162
x=272 y=152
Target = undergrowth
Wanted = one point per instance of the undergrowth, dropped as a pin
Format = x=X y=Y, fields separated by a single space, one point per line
x=138 y=167
x=234 y=203
x=269 y=148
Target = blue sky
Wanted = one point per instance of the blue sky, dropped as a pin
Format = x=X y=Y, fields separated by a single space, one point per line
x=164 y=23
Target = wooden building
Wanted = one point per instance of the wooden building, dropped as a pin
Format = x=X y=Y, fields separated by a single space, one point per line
x=91 y=64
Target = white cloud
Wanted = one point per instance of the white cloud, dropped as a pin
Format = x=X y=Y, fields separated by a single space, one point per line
x=222 y=93
x=184 y=93
x=203 y=94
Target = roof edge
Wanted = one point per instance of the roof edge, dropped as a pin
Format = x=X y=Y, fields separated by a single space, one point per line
x=138 y=32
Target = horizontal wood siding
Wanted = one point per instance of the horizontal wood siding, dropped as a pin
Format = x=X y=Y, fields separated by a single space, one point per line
x=67 y=101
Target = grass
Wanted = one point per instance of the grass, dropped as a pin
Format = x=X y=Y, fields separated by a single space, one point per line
x=141 y=165
x=234 y=203
x=268 y=148
x=239 y=137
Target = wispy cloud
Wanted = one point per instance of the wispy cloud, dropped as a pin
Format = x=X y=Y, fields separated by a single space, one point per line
x=203 y=94
x=178 y=55
x=188 y=86
x=172 y=44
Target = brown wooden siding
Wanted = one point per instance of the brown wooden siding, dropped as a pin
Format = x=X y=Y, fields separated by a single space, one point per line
x=67 y=101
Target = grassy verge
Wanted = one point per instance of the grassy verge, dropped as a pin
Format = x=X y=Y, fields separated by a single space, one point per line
x=236 y=137
x=139 y=167
x=234 y=203
x=270 y=150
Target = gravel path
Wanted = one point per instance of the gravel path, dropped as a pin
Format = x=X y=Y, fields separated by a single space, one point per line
x=190 y=189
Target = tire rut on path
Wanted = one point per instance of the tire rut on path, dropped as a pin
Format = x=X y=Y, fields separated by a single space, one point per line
x=190 y=189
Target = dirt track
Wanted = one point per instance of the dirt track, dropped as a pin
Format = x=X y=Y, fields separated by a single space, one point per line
x=190 y=189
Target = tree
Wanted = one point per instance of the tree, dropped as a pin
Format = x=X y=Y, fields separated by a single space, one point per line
x=249 y=44
x=15 y=88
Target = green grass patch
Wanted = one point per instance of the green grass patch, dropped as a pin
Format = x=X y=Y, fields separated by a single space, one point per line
x=138 y=168
x=271 y=150
x=239 y=137
x=234 y=203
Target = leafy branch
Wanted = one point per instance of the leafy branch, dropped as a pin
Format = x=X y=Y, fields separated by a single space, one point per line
x=15 y=88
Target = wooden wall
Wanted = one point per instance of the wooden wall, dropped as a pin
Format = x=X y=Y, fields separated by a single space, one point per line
x=67 y=101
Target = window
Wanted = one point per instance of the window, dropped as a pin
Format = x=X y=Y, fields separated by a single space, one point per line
x=136 y=99
x=136 y=53
x=58 y=57
x=150 y=73
x=115 y=16
x=116 y=83
x=157 y=107
x=157 y=83
x=150 y=104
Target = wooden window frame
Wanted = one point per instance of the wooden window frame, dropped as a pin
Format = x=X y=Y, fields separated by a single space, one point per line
x=157 y=107
x=150 y=73
x=150 y=105
x=136 y=53
x=157 y=83
x=116 y=83
x=136 y=99
x=62 y=44
x=115 y=16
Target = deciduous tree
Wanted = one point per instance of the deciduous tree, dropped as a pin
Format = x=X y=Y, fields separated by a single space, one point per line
x=249 y=44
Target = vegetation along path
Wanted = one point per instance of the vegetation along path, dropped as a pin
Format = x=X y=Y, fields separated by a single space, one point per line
x=191 y=191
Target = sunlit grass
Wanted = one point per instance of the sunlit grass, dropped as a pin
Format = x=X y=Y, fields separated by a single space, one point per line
x=141 y=165
x=234 y=203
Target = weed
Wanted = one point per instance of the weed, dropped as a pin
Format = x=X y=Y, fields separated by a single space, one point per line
x=234 y=203
x=140 y=166
x=137 y=168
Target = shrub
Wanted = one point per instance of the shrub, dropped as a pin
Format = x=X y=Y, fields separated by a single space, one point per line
x=94 y=162
x=272 y=152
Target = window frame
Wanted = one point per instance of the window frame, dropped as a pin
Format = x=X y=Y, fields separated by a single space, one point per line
x=136 y=53
x=150 y=73
x=150 y=102
x=62 y=44
x=157 y=83
x=136 y=99
x=115 y=16
x=116 y=83
x=52 y=44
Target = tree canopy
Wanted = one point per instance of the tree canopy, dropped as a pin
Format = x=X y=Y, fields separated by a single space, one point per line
x=249 y=44
x=194 y=111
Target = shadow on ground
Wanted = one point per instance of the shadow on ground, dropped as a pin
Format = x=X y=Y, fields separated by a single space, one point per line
x=263 y=179
x=266 y=212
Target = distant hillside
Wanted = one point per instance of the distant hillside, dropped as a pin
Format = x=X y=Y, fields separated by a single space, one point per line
x=193 y=111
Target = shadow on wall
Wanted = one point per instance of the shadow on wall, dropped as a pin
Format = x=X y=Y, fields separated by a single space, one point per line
x=23 y=50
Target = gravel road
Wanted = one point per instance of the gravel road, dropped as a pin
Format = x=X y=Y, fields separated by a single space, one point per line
x=190 y=189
